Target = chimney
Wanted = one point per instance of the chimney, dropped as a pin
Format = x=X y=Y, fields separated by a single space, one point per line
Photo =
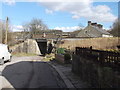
x=89 y=23
x=94 y=24
x=100 y=26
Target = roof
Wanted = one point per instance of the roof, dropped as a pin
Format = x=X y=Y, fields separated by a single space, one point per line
x=101 y=30
x=92 y=31
x=49 y=31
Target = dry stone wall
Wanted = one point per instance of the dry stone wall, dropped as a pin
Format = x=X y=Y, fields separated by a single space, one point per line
x=96 y=43
x=28 y=46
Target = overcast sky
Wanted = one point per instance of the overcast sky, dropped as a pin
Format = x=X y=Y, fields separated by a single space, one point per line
x=65 y=15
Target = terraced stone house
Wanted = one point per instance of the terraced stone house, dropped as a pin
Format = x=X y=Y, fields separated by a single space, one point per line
x=93 y=30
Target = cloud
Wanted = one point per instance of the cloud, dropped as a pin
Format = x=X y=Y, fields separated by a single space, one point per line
x=84 y=9
x=12 y=2
x=77 y=8
x=9 y=2
x=68 y=29
x=48 y=11
x=17 y=28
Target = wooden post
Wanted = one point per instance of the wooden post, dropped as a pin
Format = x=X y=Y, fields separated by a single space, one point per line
x=6 y=32
x=90 y=49
x=1 y=32
x=102 y=57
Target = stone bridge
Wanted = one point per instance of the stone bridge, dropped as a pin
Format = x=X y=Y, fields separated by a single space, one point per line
x=30 y=46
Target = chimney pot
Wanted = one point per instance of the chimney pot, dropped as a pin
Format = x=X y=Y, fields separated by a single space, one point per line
x=89 y=23
x=94 y=24
x=100 y=26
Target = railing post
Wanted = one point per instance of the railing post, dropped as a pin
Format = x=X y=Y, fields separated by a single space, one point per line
x=90 y=49
x=102 y=57
x=76 y=50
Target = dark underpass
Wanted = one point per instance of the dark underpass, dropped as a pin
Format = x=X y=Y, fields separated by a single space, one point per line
x=42 y=44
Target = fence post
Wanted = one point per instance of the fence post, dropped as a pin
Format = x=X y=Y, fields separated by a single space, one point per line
x=76 y=50
x=90 y=49
x=102 y=57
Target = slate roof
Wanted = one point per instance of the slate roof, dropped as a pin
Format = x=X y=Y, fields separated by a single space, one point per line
x=49 y=34
x=92 y=31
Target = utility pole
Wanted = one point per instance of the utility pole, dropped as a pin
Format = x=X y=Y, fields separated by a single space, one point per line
x=6 y=31
x=0 y=31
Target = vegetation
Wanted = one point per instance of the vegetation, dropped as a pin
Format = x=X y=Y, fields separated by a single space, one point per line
x=112 y=50
x=34 y=26
x=23 y=54
x=116 y=28
x=60 y=51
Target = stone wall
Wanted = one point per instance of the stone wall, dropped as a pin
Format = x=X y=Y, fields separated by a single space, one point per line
x=96 y=43
x=59 y=58
x=28 y=46
x=96 y=75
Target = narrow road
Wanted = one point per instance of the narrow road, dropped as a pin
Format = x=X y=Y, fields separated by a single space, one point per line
x=29 y=72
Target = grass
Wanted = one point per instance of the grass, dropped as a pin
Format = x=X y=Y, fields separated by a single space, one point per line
x=49 y=57
x=23 y=54
x=112 y=50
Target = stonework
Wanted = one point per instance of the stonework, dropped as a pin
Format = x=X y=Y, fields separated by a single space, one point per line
x=93 y=30
x=28 y=46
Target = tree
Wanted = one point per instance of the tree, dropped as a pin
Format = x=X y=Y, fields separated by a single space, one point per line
x=34 y=26
x=115 y=31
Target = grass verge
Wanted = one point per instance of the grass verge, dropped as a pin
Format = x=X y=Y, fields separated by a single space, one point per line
x=23 y=54
x=49 y=57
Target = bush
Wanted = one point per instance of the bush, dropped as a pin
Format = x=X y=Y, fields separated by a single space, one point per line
x=67 y=58
x=60 y=51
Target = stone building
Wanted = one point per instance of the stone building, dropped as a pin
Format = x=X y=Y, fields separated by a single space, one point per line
x=93 y=30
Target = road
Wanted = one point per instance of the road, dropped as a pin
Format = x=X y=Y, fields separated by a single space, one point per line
x=29 y=72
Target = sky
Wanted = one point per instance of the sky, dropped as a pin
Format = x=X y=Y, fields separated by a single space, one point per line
x=66 y=15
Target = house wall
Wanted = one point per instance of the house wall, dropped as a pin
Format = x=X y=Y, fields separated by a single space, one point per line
x=106 y=35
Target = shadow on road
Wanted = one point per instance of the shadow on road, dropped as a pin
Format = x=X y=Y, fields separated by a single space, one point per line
x=29 y=74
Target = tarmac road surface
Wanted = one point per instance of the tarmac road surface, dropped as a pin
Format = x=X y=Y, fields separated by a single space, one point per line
x=29 y=72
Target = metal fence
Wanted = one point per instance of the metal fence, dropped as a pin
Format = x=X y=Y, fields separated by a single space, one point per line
x=105 y=58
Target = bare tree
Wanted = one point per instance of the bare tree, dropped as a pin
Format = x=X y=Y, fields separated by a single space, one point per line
x=116 y=28
x=34 y=26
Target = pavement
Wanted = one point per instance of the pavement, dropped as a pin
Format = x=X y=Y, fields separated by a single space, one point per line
x=71 y=80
